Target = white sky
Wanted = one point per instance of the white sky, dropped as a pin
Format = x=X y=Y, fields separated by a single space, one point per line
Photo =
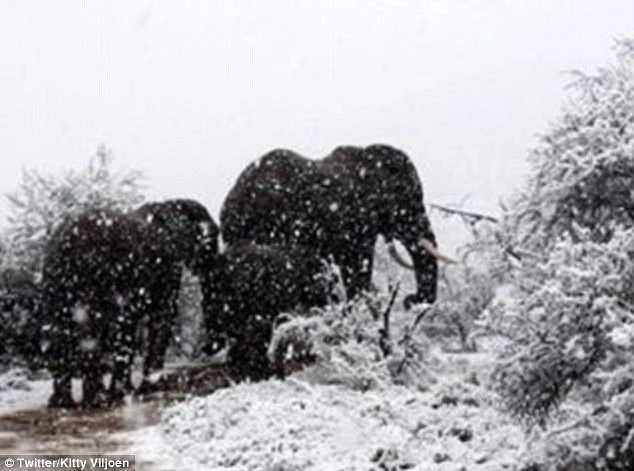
x=191 y=92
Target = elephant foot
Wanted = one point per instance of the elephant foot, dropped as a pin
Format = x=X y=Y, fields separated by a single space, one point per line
x=97 y=401
x=128 y=387
x=61 y=401
x=94 y=394
x=253 y=371
x=148 y=387
x=115 y=398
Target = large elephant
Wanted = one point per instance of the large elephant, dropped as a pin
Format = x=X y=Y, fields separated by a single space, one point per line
x=249 y=287
x=104 y=272
x=337 y=205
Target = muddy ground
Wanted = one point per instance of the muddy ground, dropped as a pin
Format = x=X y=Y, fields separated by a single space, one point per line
x=75 y=431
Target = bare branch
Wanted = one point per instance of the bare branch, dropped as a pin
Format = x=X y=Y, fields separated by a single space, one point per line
x=467 y=214
x=384 y=341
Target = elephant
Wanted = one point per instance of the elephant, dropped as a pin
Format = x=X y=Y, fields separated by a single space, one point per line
x=179 y=233
x=338 y=205
x=104 y=272
x=251 y=284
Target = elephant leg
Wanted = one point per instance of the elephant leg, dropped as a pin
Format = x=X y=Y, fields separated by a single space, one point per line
x=124 y=334
x=94 y=392
x=62 y=379
x=138 y=343
x=94 y=344
x=159 y=333
x=62 y=391
x=159 y=336
x=62 y=352
x=215 y=338
x=248 y=355
x=211 y=309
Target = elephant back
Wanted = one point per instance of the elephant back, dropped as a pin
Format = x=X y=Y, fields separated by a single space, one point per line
x=93 y=249
x=276 y=201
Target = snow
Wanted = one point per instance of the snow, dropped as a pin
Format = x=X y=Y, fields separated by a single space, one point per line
x=18 y=392
x=296 y=425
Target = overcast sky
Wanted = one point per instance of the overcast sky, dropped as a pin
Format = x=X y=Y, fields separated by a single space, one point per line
x=191 y=92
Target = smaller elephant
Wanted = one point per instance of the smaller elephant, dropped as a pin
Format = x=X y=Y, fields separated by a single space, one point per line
x=251 y=285
x=105 y=273
x=178 y=234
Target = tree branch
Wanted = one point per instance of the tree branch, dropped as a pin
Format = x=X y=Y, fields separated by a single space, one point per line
x=467 y=214
x=384 y=341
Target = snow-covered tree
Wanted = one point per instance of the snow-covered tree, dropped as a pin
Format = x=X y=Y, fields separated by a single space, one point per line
x=43 y=201
x=37 y=207
x=583 y=168
x=572 y=229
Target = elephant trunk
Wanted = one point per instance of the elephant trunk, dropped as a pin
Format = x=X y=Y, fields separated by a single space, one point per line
x=205 y=254
x=420 y=242
x=426 y=273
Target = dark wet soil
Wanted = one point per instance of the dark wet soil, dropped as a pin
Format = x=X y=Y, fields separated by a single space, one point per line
x=77 y=430
x=73 y=431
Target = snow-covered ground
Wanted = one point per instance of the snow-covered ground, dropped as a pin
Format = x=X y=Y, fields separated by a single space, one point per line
x=17 y=391
x=326 y=417
x=298 y=424
x=305 y=423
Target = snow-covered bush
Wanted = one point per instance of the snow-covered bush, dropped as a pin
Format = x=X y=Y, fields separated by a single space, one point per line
x=583 y=168
x=573 y=339
x=363 y=344
x=468 y=289
x=37 y=207
x=571 y=319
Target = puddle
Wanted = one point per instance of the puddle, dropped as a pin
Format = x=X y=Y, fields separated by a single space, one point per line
x=76 y=431
x=40 y=430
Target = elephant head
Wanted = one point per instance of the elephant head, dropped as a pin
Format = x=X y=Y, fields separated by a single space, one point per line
x=181 y=230
x=402 y=216
x=385 y=196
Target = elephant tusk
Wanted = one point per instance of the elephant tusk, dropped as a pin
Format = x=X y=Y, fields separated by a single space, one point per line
x=391 y=249
x=431 y=248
